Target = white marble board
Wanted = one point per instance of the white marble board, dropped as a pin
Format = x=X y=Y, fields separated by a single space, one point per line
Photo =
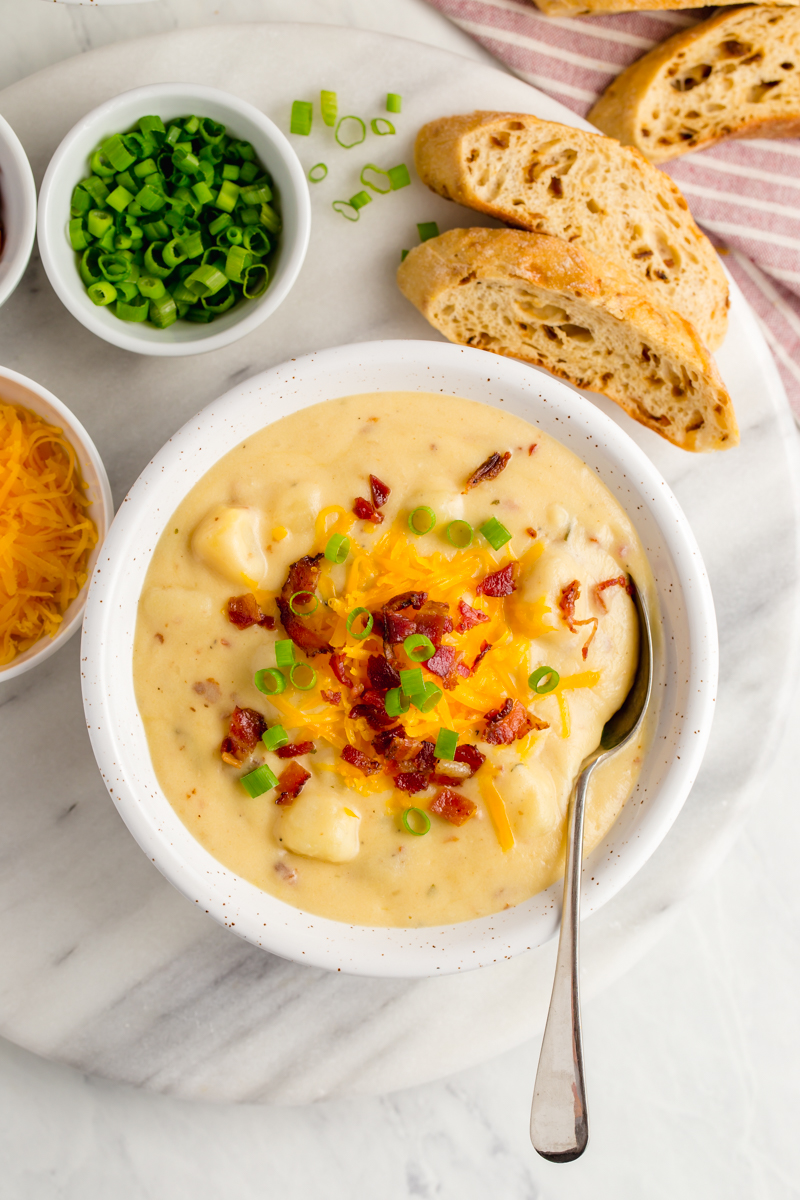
x=103 y=965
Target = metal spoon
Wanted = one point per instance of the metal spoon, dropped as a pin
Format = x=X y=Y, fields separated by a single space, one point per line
x=559 y=1123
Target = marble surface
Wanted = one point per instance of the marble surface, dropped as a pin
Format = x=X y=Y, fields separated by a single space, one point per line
x=692 y=1055
x=104 y=966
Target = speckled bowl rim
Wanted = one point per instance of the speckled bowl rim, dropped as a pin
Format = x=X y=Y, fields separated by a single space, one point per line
x=19 y=389
x=687 y=687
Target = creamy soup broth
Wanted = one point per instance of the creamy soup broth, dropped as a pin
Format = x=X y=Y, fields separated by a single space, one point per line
x=340 y=849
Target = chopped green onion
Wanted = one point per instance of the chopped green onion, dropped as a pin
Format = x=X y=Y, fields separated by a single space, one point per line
x=256 y=279
x=296 y=677
x=382 y=191
x=419 y=648
x=394 y=103
x=259 y=781
x=427 y=230
x=421 y=819
x=302 y=112
x=255 y=240
x=399 y=177
x=227 y=196
x=412 y=683
x=306 y=612
x=381 y=126
x=403 y=255
x=544 y=680
x=163 y=311
x=114 y=150
x=358 y=133
x=495 y=533
x=231 y=171
x=249 y=171
x=119 y=199
x=341 y=210
x=338 y=548
x=270 y=681
x=318 y=172
x=275 y=737
x=353 y=617
x=136 y=309
x=460 y=534
x=360 y=199
x=430 y=697
x=98 y=222
x=422 y=520
x=205 y=281
x=446 y=743
x=78 y=236
x=284 y=652
x=237 y=263
x=152 y=127
x=396 y=703
x=102 y=293
x=329 y=105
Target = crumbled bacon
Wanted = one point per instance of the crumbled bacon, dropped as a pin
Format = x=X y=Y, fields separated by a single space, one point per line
x=566 y=603
x=489 y=469
x=331 y=697
x=452 y=807
x=484 y=650
x=357 y=758
x=243 y=611
x=341 y=668
x=499 y=583
x=375 y=715
x=620 y=581
x=411 y=781
x=303 y=577
x=291 y=782
x=531 y=532
x=383 y=741
x=505 y=725
x=470 y=617
x=447 y=664
x=531 y=448
x=430 y=618
x=382 y=675
x=295 y=749
x=470 y=755
x=366 y=511
x=244 y=733
x=380 y=491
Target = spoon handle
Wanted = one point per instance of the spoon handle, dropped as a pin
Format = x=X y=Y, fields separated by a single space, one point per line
x=559 y=1124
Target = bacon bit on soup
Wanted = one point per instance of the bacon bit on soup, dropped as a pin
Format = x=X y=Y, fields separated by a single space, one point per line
x=373 y=711
x=382 y=675
x=484 y=650
x=509 y=723
x=383 y=741
x=357 y=758
x=489 y=469
x=287 y=874
x=341 y=668
x=620 y=581
x=366 y=511
x=208 y=688
x=566 y=603
x=470 y=617
x=499 y=583
x=380 y=491
x=430 y=618
x=331 y=697
x=296 y=749
x=442 y=662
x=470 y=755
x=531 y=532
x=291 y=782
x=244 y=733
x=452 y=807
x=531 y=448
x=303 y=577
x=243 y=611
x=411 y=781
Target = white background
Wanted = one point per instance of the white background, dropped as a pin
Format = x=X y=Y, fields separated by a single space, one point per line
x=692 y=1056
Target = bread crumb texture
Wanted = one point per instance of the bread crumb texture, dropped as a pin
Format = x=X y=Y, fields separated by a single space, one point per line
x=736 y=75
x=548 y=302
x=546 y=177
x=587 y=8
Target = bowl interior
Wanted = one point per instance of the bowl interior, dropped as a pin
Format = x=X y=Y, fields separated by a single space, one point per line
x=15 y=389
x=686 y=653
x=70 y=164
x=17 y=210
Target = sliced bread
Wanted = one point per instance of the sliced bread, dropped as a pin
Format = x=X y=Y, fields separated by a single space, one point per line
x=588 y=8
x=735 y=75
x=550 y=178
x=551 y=303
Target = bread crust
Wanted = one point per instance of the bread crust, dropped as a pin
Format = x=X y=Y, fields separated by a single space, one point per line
x=447 y=273
x=589 y=8
x=625 y=110
x=641 y=221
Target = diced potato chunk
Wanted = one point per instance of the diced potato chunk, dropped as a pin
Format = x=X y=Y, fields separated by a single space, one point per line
x=320 y=824
x=230 y=542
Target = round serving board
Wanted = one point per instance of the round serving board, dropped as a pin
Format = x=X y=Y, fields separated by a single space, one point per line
x=102 y=964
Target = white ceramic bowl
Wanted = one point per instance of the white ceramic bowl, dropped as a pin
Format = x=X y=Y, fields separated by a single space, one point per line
x=686 y=654
x=70 y=164
x=16 y=389
x=17 y=210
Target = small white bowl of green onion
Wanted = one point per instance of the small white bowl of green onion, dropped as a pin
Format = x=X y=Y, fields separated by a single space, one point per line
x=173 y=219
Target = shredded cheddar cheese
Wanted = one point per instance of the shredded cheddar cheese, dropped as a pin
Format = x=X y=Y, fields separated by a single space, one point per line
x=497 y=811
x=45 y=533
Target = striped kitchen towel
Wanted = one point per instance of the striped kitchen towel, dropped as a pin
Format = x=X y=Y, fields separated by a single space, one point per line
x=745 y=194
